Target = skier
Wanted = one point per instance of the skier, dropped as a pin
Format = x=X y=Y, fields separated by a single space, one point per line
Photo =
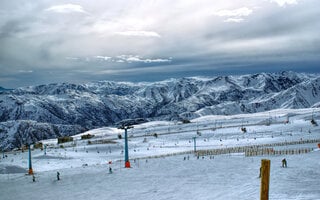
x=110 y=170
x=284 y=162
x=58 y=176
x=260 y=173
x=33 y=178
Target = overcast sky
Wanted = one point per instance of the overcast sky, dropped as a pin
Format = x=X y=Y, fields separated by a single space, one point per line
x=149 y=40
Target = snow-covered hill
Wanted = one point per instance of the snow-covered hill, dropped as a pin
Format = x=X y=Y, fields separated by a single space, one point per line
x=104 y=103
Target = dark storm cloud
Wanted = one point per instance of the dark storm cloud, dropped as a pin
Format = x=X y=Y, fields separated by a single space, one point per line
x=277 y=22
x=46 y=41
x=11 y=28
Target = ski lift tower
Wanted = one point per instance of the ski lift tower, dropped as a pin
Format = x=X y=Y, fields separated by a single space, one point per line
x=126 y=151
x=30 y=172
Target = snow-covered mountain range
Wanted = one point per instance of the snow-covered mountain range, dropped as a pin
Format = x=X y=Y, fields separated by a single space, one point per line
x=40 y=112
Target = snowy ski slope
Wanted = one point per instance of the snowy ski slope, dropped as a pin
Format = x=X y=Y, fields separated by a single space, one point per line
x=84 y=165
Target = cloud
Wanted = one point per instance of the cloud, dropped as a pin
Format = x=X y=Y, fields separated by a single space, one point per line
x=121 y=59
x=240 y=12
x=236 y=20
x=130 y=59
x=71 y=58
x=285 y=2
x=66 y=8
x=138 y=33
x=236 y=15
x=103 y=58
x=125 y=35
x=25 y=71
x=11 y=28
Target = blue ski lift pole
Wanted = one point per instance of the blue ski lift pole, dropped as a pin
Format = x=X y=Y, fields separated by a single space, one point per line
x=30 y=165
x=126 y=149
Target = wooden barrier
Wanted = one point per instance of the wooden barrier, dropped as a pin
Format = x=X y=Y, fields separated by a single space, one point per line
x=262 y=149
x=260 y=152
x=252 y=150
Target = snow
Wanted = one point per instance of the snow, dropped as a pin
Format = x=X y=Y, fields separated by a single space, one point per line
x=67 y=109
x=164 y=167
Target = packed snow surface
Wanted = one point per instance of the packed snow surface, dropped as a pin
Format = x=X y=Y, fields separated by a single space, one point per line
x=163 y=165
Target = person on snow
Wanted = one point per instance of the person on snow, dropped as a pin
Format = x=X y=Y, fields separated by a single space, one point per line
x=33 y=178
x=260 y=172
x=58 y=176
x=284 y=162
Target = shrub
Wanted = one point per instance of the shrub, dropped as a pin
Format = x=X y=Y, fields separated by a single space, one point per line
x=65 y=139
x=186 y=121
x=38 y=145
x=88 y=136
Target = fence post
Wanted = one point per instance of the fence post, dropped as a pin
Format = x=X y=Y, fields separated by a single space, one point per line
x=265 y=178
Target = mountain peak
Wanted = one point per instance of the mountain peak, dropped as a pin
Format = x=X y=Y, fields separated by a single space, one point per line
x=97 y=104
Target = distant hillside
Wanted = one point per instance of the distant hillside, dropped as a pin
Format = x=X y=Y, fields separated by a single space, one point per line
x=4 y=89
x=85 y=106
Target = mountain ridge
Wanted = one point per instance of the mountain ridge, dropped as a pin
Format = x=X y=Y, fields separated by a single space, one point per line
x=104 y=103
